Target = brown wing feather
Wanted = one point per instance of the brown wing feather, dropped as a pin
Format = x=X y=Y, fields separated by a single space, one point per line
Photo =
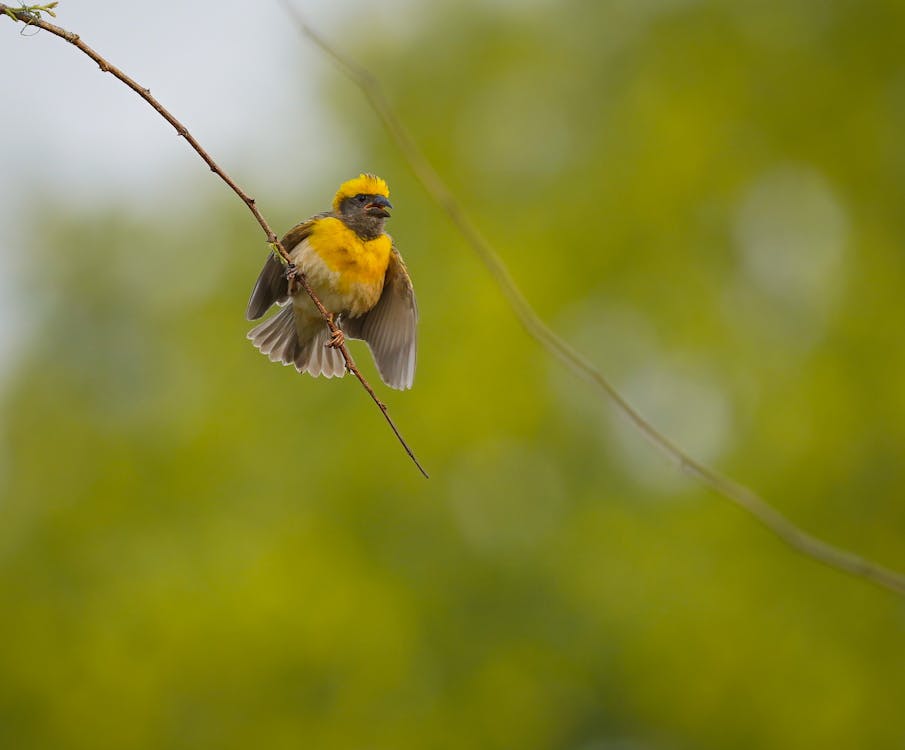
x=271 y=286
x=389 y=327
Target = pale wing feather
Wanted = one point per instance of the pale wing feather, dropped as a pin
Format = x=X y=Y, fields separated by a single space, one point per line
x=276 y=337
x=298 y=340
x=390 y=326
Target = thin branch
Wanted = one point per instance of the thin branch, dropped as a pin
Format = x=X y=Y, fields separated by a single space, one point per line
x=31 y=16
x=743 y=497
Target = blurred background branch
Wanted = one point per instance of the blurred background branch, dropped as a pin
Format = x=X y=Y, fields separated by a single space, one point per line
x=743 y=497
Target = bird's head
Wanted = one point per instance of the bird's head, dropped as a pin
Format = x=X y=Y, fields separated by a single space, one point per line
x=362 y=204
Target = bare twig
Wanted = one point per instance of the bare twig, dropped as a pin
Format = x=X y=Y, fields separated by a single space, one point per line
x=31 y=12
x=743 y=497
x=30 y=15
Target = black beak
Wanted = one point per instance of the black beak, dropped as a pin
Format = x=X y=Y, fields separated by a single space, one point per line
x=378 y=207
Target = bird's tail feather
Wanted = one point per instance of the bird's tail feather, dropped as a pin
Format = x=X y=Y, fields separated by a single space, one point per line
x=281 y=339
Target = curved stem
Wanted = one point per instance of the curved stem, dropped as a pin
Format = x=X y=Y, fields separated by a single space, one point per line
x=30 y=16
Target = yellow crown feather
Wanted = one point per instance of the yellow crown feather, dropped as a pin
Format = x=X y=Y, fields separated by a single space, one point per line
x=368 y=184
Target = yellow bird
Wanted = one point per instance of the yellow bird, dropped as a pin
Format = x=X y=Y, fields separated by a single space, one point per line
x=358 y=275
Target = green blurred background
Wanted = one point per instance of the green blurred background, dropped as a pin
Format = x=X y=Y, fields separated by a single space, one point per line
x=201 y=549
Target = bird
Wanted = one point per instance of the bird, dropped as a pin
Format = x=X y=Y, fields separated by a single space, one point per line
x=355 y=270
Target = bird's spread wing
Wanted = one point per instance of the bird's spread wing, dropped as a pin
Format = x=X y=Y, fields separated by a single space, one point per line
x=271 y=286
x=389 y=327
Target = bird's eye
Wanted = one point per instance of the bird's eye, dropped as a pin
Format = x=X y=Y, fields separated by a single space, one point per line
x=361 y=198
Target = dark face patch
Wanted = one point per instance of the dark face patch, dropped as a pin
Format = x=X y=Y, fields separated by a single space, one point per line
x=365 y=214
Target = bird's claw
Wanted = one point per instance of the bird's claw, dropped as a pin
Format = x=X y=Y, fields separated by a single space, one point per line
x=337 y=339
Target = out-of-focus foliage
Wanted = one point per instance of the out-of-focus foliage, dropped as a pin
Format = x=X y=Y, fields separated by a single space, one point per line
x=201 y=549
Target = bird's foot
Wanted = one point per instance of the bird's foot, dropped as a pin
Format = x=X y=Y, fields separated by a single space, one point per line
x=337 y=339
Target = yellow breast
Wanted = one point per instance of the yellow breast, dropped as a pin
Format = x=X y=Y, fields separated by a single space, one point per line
x=356 y=262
